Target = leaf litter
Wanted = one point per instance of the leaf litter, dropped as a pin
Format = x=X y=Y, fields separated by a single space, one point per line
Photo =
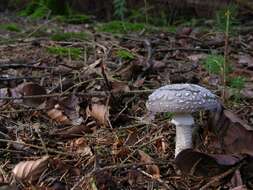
x=84 y=105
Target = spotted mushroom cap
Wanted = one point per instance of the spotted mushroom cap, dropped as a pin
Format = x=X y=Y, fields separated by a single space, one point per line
x=181 y=98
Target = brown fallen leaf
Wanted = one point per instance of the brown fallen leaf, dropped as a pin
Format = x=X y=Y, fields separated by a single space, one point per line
x=119 y=150
x=247 y=91
x=81 y=147
x=30 y=170
x=213 y=167
x=72 y=132
x=195 y=163
x=65 y=110
x=71 y=109
x=183 y=31
x=104 y=180
x=4 y=92
x=161 y=146
x=232 y=135
x=152 y=168
x=241 y=187
x=246 y=60
x=197 y=57
x=29 y=89
x=6 y=186
x=118 y=86
x=99 y=112
x=57 y=114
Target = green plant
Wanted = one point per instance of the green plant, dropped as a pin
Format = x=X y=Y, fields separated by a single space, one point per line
x=35 y=10
x=119 y=8
x=74 y=18
x=10 y=27
x=214 y=63
x=119 y=27
x=38 y=9
x=168 y=115
x=124 y=54
x=74 y=53
x=222 y=21
x=237 y=82
x=69 y=36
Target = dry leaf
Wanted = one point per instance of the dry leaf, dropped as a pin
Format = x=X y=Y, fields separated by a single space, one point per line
x=118 y=86
x=241 y=187
x=65 y=111
x=151 y=168
x=195 y=163
x=58 y=115
x=71 y=109
x=161 y=146
x=119 y=150
x=73 y=131
x=81 y=147
x=30 y=170
x=246 y=60
x=99 y=112
x=197 y=57
x=232 y=134
x=29 y=89
x=3 y=93
x=7 y=187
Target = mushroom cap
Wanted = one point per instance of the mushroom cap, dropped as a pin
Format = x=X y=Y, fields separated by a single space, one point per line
x=181 y=98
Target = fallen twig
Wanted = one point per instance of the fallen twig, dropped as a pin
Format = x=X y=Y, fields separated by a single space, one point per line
x=89 y=94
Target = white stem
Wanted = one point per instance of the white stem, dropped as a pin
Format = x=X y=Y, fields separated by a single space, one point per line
x=183 y=138
x=184 y=128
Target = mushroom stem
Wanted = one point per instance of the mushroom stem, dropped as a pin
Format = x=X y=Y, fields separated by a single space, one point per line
x=184 y=123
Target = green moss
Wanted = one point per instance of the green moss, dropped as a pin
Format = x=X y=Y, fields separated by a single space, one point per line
x=74 y=53
x=10 y=27
x=74 y=19
x=124 y=54
x=121 y=27
x=69 y=36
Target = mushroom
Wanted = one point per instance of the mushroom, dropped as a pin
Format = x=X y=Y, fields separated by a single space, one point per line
x=182 y=100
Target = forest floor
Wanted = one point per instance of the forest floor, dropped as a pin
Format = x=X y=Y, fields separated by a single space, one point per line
x=73 y=106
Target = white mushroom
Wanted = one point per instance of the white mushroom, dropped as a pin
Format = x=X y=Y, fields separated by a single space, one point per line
x=182 y=100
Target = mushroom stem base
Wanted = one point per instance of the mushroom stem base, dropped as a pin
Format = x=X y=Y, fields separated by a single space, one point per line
x=184 y=129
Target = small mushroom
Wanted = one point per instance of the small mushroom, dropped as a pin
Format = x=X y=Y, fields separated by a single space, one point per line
x=182 y=100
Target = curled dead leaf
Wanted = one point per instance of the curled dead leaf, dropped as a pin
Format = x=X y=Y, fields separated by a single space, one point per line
x=199 y=164
x=71 y=109
x=152 y=168
x=58 y=115
x=29 y=89
x=99 y=112
x=65 y=110
x=118 y=86
x=30 y=170
x=3 y=93
x=71 y=132
x=233 y=135
x=81 y=147
x=119 y=150
x=5 y=186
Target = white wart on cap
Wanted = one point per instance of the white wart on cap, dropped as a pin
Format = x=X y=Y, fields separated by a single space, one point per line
x=182 y=100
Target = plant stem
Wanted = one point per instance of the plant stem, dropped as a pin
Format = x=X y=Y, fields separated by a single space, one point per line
x=225 y=65
x=146 y=11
